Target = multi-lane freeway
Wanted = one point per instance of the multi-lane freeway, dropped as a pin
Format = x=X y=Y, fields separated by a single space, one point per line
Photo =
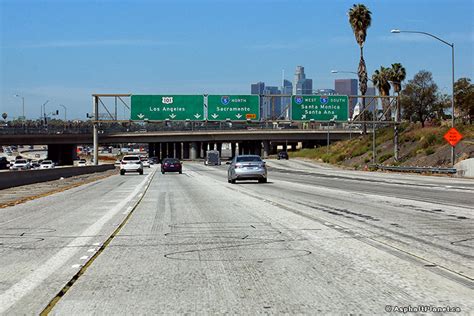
x=313 y=240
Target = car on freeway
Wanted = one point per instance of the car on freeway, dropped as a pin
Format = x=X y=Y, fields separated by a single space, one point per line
x=117 y=163
x=247 y=167
x=82 y=163
x=20 y=164
x=212 y=158
x=47 y=164
x=282 y=155
x=4 y=164
x=131 y=163
x=145 y=162
x=171 y=165
x=34 y=164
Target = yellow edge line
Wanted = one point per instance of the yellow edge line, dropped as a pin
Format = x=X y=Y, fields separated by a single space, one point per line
x=73 y=280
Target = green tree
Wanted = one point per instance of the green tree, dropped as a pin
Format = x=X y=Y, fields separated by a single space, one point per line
x=464 y=99
x=381 y=81
x=397 y=75
x=419 y=98
x=360 y=19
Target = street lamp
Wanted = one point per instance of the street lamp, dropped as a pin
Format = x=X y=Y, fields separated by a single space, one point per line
x=396 y=31
x=23 y=102
x=65 y=112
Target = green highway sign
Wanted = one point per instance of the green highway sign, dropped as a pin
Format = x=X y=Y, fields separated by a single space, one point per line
x=167 y=107
x=233 y=107
x=320 y=108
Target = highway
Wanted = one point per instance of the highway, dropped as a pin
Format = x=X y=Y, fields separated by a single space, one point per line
x=313 y=240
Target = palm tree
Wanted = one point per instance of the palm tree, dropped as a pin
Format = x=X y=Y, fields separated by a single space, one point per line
x=381 y=80
x=360 y=20
x=397 y=75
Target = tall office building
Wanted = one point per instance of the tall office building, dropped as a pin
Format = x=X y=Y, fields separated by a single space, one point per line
x=302 y=85
x=257 y=88
x=370 y=102
x=347 y=87
x=271 y=106
x=287 y=88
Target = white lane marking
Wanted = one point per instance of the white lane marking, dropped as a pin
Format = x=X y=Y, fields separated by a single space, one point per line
x=91 y=250
x=84 y=257
x=96 y=244
x=75 y=266
x=35 y=278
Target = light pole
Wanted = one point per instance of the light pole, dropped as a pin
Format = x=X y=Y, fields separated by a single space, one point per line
x=23 y=102
x=65 y=112
x=43 y=109
x=396 y=31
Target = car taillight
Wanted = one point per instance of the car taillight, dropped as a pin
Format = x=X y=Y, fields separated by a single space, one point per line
x=167 y=164
x=238 y=165
x=123 y=163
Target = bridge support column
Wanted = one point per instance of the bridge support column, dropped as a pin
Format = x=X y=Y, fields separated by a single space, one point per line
x=63 y=154
x=219 y=149
x=241 y=148
x=233 y=147
x=186 y=150
x=151 y=149
x=204 y=149
x=266 y=149
x=178 y=151
x=164 y=150
x=193 y=150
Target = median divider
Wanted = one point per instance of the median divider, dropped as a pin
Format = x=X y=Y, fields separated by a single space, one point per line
x=24 y=177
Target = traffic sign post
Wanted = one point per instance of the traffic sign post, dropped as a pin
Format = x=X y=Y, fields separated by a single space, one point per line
x=320 y=108
x=233 y=107
x=453 y=136
x=167 y=107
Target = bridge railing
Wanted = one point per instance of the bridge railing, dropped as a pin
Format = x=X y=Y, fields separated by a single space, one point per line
x=127 y=127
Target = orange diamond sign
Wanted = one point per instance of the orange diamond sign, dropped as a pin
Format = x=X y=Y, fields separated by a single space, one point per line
x=453 y=136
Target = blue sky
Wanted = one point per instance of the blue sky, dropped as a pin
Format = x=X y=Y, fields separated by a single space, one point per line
x=63 y=51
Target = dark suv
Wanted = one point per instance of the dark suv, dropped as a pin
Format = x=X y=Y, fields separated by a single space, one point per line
x=282 y=155
x=171 y=165
x=4 y=164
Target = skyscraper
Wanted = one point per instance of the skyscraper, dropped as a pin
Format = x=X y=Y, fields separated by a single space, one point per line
x=271 y=106
x=301 y=84
x=347 y=87
x=257 y=88
x=287 y=88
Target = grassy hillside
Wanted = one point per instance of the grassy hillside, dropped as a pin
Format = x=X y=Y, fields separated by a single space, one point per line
x=418 y=147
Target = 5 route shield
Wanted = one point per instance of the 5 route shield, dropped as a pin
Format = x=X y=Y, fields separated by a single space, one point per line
x=167 y=107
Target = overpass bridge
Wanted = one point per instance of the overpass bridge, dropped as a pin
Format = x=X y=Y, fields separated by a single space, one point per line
x=189 y=144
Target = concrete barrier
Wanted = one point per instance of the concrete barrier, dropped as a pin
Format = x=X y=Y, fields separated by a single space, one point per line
x=465 y=168
x=17 y=178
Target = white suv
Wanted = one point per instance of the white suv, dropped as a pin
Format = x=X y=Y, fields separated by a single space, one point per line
x=131 y=163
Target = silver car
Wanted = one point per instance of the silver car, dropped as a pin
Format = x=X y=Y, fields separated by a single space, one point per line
x=247 y=167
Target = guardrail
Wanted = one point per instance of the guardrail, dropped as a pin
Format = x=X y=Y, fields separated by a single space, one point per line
x=417 y=169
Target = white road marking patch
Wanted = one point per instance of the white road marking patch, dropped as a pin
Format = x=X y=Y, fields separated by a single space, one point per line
x=96 y=244
x=91 y=250
x=35 y=278
x=84 y=257
x=75 y=266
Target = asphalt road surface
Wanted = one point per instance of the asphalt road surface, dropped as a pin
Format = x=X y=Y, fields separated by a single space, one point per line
x=314 y=240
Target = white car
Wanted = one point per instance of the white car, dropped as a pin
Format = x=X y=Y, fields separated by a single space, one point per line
x=82 y=163
x=20 y=164
x=47 y=164
x=131 y=163
x=145 y=162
